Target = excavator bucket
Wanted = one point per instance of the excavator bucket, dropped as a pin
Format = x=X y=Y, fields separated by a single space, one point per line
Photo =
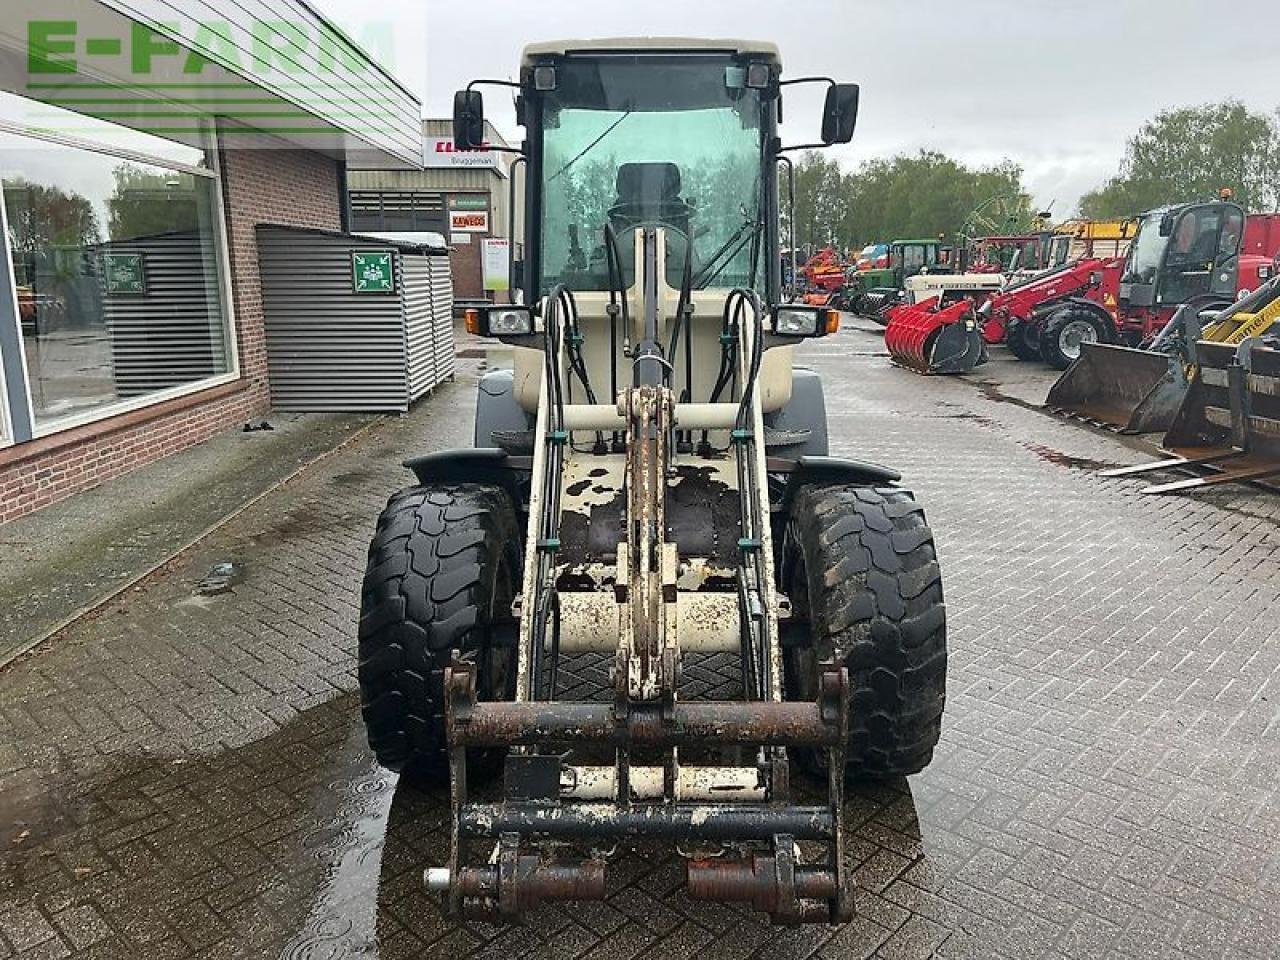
x=933 y=340
x=1135 y=391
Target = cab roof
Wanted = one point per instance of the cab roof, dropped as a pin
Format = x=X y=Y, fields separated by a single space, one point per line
x=558 y=48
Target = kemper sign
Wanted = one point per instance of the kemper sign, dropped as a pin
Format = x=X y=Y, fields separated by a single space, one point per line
x=441 y=152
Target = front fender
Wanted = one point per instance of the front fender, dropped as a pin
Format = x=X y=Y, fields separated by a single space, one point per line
x=488 y=465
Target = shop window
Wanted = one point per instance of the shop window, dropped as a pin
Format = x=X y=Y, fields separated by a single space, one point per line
x=117 y=269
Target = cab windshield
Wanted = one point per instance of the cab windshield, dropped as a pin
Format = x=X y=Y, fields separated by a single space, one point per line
x=1147 y=251
x=640 y=141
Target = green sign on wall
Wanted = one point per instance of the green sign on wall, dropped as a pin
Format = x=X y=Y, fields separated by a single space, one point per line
x=124 y=273
x=469 y=201
x=371 y=271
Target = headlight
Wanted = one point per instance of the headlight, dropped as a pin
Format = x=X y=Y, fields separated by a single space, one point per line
x=797 y=321
x=510 y=322
x=499 y=321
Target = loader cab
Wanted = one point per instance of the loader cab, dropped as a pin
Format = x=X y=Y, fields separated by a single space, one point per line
x=677 y=135
x=1183 y=252
x=672 y=139
x=1057 y=251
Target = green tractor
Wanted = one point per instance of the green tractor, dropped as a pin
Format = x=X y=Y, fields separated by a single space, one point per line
x=882 y=288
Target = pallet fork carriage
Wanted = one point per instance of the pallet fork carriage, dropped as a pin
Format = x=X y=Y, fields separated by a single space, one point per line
x=670 y=469
x=1228 y=426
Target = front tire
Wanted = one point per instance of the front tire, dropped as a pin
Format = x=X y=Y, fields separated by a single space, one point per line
x=1063 y=332
x=442 y=570
x=860 y=567
x=1023 y=339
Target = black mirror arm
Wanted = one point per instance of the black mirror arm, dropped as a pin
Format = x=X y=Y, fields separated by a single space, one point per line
x=493 y=83
x=791 y=83
x=519 y=151
x=803 y=146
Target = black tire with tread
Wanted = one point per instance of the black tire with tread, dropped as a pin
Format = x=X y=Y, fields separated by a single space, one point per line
x=1051 y=332
x=443 y=562
x=1022 y=339
x=859 y=563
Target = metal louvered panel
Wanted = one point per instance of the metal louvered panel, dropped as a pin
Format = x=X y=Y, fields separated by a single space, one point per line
x=328 y=347
x=170 y=332
x=442 y=311
x=419 y=324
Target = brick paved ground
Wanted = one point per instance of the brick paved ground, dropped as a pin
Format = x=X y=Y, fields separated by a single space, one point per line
x=185 y=775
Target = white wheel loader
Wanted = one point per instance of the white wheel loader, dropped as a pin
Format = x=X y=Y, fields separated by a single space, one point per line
x=651 y=487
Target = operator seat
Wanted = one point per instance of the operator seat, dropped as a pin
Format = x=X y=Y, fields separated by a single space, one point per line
x=649 y=193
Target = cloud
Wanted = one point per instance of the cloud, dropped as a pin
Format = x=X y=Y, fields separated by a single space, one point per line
x=1056 y=87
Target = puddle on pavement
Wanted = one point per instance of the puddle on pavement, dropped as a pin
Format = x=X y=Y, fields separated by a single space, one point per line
x=956 y=412
x=1061 y=459
x=299 y=831
x=299 y=815
x=991 y=390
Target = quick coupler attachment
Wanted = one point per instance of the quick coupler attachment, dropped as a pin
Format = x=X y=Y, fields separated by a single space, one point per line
x=539 y=840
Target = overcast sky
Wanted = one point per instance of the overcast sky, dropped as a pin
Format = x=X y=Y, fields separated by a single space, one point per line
x=1055 y=85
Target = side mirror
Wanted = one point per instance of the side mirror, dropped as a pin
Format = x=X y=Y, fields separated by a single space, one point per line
x=1166 y=225
x=840 y=114
x=468 y=120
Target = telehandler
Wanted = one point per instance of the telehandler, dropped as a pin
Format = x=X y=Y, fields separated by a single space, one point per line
x=651 y=486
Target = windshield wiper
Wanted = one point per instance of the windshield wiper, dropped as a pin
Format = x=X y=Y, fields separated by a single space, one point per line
x=590 y=146
x=749 y=230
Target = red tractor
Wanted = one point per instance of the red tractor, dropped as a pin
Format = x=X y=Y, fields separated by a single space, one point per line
x=1190 y=253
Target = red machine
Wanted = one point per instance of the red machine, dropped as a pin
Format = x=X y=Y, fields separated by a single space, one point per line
x=825 y=270
x=1261 y=236
x=1005 y=253
x=829 y=281
x=1013 y=316
x=1193 y=252
x=1201 y=252
x=1260 y=250
x=935 y=336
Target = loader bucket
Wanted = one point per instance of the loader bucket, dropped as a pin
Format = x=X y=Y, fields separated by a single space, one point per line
x=929 y=340
x=1136 y=391
x=1228 y=427
x=1211 y=413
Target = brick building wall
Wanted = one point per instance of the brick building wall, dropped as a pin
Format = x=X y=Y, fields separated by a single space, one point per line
x=465 y=265
x=261 y=183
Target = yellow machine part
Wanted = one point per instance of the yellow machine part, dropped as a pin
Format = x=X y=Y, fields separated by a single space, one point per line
x=1241 y=326
x=1098 y=229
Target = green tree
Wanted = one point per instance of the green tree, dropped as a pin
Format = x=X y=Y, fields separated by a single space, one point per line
x=146 y=202
x=928 y=194
x=1190 y=153
x=822 y=198
x=42 y=218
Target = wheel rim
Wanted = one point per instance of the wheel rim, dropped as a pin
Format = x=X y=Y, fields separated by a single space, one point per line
x=1073 y=335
